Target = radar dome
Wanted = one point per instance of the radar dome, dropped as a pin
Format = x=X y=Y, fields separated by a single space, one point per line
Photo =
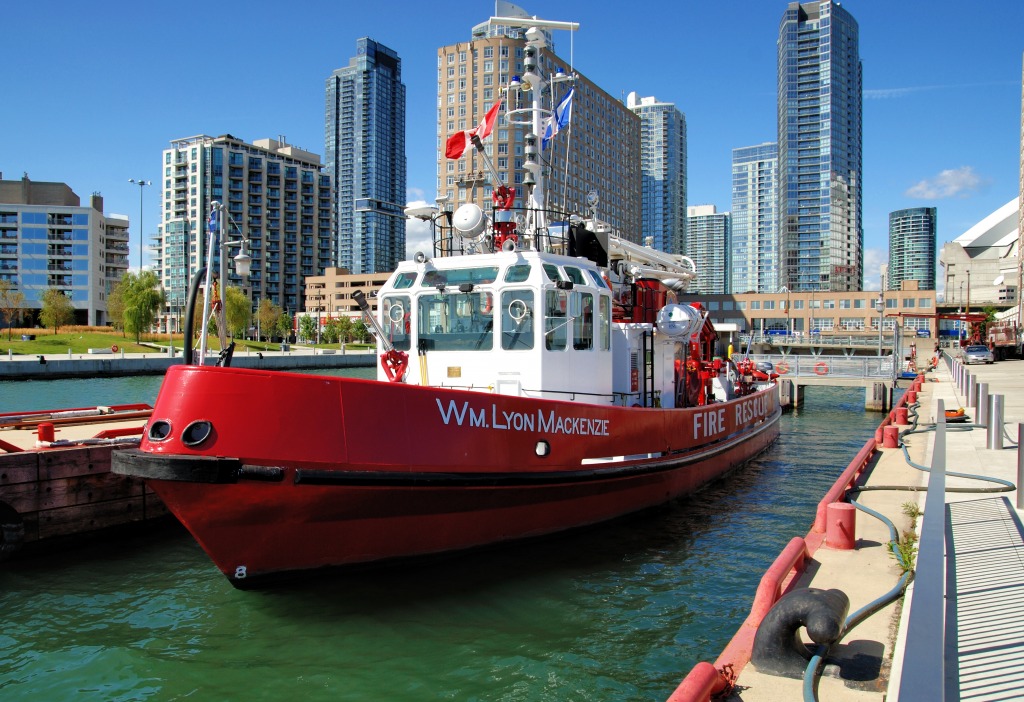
x=469 y=220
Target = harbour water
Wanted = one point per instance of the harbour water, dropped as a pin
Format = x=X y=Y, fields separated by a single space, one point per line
x=619 y=612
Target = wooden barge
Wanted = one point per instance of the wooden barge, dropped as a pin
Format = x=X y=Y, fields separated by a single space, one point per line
x=55 y=480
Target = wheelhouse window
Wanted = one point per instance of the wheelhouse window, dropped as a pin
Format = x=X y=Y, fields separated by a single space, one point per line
x=575 y=275
x=517 y=320
x=404 y=280
x=518 y=273
x=395 y=310
x=552 y=272
x=555 y=322
x=459 y=276
x=456 y=321
x=604 y=333
x=583 y=324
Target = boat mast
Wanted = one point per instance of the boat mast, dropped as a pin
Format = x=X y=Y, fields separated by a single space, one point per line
x=534 y=116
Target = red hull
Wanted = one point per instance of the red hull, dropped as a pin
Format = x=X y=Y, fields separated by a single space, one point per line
x=353 y=471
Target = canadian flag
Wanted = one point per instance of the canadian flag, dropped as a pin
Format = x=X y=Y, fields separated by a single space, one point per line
x=457 y=142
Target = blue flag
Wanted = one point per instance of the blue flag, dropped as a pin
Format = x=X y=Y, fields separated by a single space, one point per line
x=558 y=120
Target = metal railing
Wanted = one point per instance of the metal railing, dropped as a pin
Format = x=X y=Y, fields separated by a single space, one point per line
x=852 y=367
x=923 y=676
x=865 y=339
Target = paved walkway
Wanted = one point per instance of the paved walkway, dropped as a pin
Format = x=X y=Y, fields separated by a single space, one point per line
x=984 y=548
x=984 y=597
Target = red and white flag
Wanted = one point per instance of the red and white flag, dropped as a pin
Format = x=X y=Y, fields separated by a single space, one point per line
x=457 y=142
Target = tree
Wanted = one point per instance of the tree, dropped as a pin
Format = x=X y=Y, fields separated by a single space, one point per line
x=11 y=302
x=307 y=327
x=238 y=311
x=57 y=309
x=142 y=297
x=284 y=326
x=115 y=306
x=331 y=335
x=267 y=314
x=345 y=329
x=360 y=332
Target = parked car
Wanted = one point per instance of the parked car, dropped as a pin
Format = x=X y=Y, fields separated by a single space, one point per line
x=978 y=354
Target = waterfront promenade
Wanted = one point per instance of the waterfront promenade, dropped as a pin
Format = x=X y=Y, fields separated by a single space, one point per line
x=975 y=647
x=71 y=365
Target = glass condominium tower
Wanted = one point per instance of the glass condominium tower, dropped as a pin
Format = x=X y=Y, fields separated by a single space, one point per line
x=912 y=234
x=820 y=161
x=275 y=196
x=663 y=162
x=755 y=240
x=364 y=144
x=710 y=247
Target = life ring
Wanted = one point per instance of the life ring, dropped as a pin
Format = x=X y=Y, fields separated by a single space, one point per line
x=783 y=368
x=12 y=531
x=114 y=348
x=821 y=368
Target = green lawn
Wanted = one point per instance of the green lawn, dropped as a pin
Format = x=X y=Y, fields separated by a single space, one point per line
x=80 y=340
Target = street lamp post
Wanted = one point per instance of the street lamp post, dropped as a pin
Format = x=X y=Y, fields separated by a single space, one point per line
x=881 y=318
x=968 y=308
x=142 y=184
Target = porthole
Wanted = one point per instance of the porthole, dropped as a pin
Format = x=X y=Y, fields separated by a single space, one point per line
x=159 y=430
x=196 y=433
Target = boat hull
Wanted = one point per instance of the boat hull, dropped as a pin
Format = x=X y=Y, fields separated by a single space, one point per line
x=356 y=472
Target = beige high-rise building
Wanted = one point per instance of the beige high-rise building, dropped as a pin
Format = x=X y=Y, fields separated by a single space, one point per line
x=598 y=153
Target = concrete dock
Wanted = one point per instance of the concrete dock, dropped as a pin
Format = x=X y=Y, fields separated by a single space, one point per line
x=975 y=649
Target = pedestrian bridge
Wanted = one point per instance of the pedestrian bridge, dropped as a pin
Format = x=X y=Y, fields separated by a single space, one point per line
x=876 y=374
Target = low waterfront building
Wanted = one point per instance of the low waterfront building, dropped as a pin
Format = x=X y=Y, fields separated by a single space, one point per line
x=330 y=294
x=49 y=240
x=808 y=317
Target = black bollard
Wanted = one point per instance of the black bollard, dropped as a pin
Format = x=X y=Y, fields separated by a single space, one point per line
x=778 y=649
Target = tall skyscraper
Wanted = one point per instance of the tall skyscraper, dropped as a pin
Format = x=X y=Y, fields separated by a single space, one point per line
x=49 y=240
x=663 y=164
x=275 y=196
x=755 y=233
x=596 y=154
x=365 y=156
x=820 y=171
x=912 y=234
x=710 y=247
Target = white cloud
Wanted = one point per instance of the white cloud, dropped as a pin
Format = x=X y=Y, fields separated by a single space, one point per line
x=886 y=93
x=874 y=259
x=417 y=233
x=959 y=182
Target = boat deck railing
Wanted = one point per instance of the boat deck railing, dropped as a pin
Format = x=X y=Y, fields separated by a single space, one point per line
x=513 y=225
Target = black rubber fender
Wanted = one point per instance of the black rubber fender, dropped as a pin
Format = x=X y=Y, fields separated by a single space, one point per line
x=778 y=648
x=12 y=531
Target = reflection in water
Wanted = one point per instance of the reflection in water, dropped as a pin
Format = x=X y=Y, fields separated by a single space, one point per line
x=620 y=611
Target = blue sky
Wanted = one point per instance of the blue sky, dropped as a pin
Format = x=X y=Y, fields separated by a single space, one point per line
x=93 y=92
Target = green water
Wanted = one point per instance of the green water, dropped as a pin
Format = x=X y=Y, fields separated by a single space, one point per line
x=621 y=612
